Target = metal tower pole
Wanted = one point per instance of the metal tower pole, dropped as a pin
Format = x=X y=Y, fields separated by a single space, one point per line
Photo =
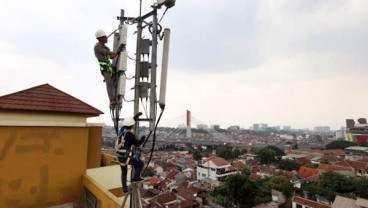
x=153 y=71
x=137 y=70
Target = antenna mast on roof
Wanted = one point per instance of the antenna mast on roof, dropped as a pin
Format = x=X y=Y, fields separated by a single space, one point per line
x=145 y=71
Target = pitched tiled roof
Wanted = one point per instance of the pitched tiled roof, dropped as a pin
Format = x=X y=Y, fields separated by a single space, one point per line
x=343 y=163
x=305 y=172
x=332 y=167
x=217 y=161
x=46 y=98
x=309 y=203
x=172 y=174
x=154 y=180
x=163 y=198
x=358 y=165
x=238 y=164
x=254 y=176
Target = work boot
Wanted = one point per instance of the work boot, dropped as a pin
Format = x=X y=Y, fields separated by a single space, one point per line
x=138 y=179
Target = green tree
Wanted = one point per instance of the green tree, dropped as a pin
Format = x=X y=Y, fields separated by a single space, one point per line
x=236 y=153
x=289 y=165
x=266 y=155
x=241 y=190
x=361 y=187
x=246 y=170
x=340 y=144
x=281 y=183
x=224 y=152
x=221 y=196
x=197 y=155
x=278 y=151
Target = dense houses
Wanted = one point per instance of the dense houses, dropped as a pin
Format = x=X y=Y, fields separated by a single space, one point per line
x=181 y=181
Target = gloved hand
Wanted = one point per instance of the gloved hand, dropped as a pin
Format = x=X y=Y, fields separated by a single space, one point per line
x=136 y=116
x=120 y=49
x=143 y=138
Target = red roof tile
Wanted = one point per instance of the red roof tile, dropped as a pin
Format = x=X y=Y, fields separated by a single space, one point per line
x=333 y=167
x=343 y=163
x=45 y=98
x=305 y=172
x=172 y=174
x=254 y=176
x=217 y=161
x=238 y=164
x=154 y=180
x=163 y=198
x=358 y=165
x=309 y=203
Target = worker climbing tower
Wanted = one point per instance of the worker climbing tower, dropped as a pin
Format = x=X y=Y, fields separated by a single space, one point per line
x=145 y=85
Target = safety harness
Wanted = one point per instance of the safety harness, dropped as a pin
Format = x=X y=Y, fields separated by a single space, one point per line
x=123 y=153
x=105 y=64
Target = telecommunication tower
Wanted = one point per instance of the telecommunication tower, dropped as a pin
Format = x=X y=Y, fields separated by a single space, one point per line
x=145 y=85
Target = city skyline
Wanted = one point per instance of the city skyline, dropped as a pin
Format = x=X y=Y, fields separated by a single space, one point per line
x=295 y=63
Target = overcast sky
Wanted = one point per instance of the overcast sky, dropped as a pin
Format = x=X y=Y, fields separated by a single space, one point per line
x=235 y=62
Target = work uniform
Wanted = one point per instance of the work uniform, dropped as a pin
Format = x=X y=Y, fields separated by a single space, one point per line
x=107 y=70
x=127 y=156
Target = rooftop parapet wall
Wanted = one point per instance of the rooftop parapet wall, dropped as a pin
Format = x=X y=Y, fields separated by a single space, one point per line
x=41 y=166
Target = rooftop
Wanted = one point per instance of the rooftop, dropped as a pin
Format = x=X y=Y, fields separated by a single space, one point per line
x=46 y=98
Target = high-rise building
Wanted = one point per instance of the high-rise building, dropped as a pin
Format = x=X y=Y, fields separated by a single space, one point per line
x=255 y=127
x=286 y=128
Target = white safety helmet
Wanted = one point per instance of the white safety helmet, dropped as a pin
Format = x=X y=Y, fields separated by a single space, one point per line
x=128 y=121
x=100 y=33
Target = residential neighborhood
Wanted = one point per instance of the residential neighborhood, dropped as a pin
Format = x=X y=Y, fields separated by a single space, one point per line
x=201 y=175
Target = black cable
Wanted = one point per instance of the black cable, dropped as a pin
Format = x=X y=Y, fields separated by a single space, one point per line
x=153 y=140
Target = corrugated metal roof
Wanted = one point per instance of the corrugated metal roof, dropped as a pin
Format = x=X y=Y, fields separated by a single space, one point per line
x=46 y=98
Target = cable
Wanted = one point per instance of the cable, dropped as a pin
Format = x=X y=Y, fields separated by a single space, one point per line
x=153 y=139
x=163 y=14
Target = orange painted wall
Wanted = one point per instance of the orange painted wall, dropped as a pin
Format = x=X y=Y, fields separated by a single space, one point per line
x=43 y=166
x=94 y=147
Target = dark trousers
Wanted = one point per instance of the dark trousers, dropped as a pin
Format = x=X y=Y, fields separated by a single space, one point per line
x=109 y=84
x=138 y=166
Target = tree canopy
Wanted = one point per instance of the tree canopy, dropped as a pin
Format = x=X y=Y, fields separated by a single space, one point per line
x=341 y=144
x=270 y=154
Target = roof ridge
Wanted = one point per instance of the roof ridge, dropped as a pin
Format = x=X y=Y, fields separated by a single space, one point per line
x=47 y=98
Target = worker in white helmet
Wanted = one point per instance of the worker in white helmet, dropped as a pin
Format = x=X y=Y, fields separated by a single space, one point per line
x=103 y=55
x=126 y=152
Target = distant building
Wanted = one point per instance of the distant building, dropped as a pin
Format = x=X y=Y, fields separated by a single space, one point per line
x=357 y=132
x=322 y=129
x=216 y=126
x=263 y=126
x=356 y=152
x=202 y=126
x=255 y=127
x=233 y=128
x=341 y=134
x=286 y=128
